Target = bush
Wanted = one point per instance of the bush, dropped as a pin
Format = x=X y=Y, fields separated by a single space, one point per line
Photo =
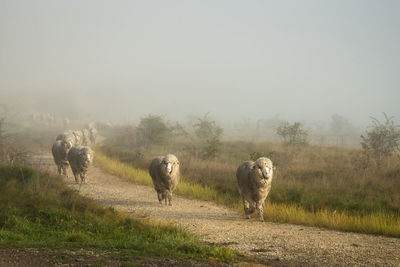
x=382 y=140
x=292 y=134
x=152 y=130
x=209 y=134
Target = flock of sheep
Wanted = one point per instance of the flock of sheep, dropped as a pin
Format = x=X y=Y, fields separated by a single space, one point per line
x=254 y=181
x=72 y=148
x=254 y=177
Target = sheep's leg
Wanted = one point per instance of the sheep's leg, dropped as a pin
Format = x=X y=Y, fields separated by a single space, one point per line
x=260 y=210
x=76 y=178
x=64 y=169
x=83 y=178
x=59 y=169
x=170 y=198
x=165 y=198
x=159 y=195
x=248 y=209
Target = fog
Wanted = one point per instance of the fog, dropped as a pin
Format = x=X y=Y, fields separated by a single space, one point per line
x=241 y=61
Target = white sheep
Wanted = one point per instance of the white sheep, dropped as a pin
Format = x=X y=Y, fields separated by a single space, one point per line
x=254 y=182
x=164 y=172
x=79 y=159
x=60 y=151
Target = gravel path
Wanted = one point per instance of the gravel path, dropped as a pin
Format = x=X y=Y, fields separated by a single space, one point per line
x=271 y=243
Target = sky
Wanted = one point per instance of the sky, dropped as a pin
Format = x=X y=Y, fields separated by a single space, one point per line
x=301 y=60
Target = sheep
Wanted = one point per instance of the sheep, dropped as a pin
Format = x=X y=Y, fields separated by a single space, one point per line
x=60 y=151
x=93 y=135
x=78 y=137
x=164 y=172
x=67 y=137
x=91 y=124
x=79 y=159
x=254 y=183
x=85 y=137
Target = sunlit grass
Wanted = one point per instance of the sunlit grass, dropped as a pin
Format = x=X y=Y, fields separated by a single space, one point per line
x=374 y=223
x=185 y=188
x=38 y=210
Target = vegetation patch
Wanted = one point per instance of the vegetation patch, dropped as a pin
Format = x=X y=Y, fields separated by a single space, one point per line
x=39 y=211
x=293 y=203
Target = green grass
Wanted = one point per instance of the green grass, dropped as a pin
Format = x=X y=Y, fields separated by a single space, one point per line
x=376 y=222
x=37 y=210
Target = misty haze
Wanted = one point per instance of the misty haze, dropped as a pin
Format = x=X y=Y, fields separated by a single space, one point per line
x=93 y=92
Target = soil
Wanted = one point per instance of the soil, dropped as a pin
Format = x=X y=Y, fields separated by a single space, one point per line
x=272 y=244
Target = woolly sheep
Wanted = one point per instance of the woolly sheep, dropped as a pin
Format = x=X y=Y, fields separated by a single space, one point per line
x=93 y=135
x=79 y=159
x=164 y=172
x=67 y=137
x=254 y=182
x=60 y=151
x=78 y=137
x=85 y=137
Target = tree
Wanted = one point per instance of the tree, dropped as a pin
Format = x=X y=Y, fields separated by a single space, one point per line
x=209 y=134
x=152 y=130
x=382 y=140
x=292 y=134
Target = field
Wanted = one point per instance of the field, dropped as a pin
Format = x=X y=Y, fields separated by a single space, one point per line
x=333 y=187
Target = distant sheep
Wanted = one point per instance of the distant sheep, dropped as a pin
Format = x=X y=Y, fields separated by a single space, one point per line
x=93 y=135
x=67 y=137
x=164 y=172
x=60 y=151
x=78 y=137
x=79 y=159
x=86 y=137
x=254 y=181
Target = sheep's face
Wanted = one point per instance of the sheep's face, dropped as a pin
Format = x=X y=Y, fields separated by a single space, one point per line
x=67 y=145
x=170 y=165
x=264 y=167
x=85 y=157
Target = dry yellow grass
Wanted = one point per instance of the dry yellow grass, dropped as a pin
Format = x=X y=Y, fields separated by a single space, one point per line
x=375 y=223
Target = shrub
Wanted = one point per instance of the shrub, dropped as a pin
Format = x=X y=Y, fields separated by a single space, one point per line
x=382 y=140
x=209 y=134
x=152 y=130
x=292 y=134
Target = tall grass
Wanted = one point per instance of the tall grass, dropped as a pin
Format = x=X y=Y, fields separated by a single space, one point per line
x=37 y=210
x=319 y=186
x=313 y=177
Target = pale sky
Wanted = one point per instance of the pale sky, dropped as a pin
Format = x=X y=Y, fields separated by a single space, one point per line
x=304 y=60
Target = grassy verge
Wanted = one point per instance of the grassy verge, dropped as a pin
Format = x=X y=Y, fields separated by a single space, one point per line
x=373 y=223
x=37 y=210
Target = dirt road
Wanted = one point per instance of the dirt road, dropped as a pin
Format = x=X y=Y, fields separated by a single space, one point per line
x=273 y=244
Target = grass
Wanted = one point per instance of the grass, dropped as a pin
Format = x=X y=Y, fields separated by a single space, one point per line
x=37 y=210
x=185 y=187
x=305 y=196
x=313 y=177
